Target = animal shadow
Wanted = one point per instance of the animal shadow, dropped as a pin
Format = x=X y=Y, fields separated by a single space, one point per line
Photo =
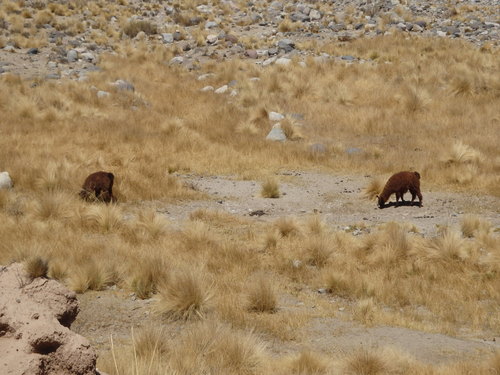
x=401 y=204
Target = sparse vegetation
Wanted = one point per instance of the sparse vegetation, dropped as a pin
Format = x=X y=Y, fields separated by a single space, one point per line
x=222 y=285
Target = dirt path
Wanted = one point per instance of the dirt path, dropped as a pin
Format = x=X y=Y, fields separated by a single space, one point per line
x=338 y=199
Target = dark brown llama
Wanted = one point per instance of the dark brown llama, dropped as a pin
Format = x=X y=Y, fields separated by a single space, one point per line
x=399 y=184
x=98 y=186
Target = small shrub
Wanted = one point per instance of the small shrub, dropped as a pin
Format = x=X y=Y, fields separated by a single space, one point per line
x=134 y=27
x=37 y=267
x=262 y=297
x=270 y=189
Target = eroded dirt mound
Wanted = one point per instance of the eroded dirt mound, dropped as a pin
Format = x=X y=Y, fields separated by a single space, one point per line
x=35 y=316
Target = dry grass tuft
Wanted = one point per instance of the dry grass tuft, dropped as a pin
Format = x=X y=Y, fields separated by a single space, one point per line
x=270 y=189
x=461 y=153
x=133 y=28
x=287 y=226
x=186 y=295
x=36 y=267
x=473 y=226
x=210 y=347
x=365 y=363
x=373 y=189
x=261 y=296
x=307 y=363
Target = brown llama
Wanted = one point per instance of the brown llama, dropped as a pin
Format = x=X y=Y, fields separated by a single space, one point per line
x=399 y=184
x=98 y=186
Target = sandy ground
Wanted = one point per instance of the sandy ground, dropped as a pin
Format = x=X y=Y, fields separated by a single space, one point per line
x=338 y=199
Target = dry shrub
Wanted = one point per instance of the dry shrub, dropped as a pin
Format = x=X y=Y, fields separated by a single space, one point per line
x=148 y=276
x=210 y=347
x=261 y=296
x=373 y=189
x=151 y=342
x=317 y=250
x=472 y=226
x=44 y=17
x=87 y=276
x=186 y=295
x=288 y=25
x=270 y=189
x=315 y=224
x=338 y=283
x=133 y=28
x=460 y=153
x=104 y=217
x=365 y=311
x=51 y=206
x=287 y=226
x=306 y=363
x=363 y=362
x=36 y=266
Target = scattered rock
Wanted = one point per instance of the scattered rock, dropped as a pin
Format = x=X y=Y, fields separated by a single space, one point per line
x=287 y=45
x=167 y=38
x=276 y=134
x=177 y=60
x=222 y=89
x=5 y=181
x=123 y=85
x=283 y=61
x=33 y=51
x=275 y=116
x=102 y=94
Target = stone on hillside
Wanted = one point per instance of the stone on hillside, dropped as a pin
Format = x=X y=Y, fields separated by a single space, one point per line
x=314 y=15
x=251 y=53
x=283 y=61
x=222 y=89
x=33 y=51
x=5 y=181
x=207 y=88
x=177 y=60
x=275 y=116
x=287 y=45
x=177 y=36
x=89 y=57
x=205 y=76
x=212 y=38
x=167 y=38
x=269 y=61
x=317 y=148
x=205 y=9
x=211 y=25
x=102 y=94
x=348 y=58
x=123 y=85
x=276 y=134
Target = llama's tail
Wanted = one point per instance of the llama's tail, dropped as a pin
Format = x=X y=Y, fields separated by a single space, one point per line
x=418 y=175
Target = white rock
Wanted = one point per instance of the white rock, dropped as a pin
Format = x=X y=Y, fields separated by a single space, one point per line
x=205 y=76
x=222 y=89
x=102 y=94
x=441 y=33
x=314 y=15
x=283 y=61
x=269 y=61
x=5 y=181
x=177 y=60
x=276 y=134
x=275 y=116
x=207 y=88
x=212 y=38
x=233 y=93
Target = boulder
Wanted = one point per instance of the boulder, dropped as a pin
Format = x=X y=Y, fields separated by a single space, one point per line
x=5 y=181
x=35 y=317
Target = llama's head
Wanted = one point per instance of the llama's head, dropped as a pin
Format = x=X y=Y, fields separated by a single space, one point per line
x=381 y=201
